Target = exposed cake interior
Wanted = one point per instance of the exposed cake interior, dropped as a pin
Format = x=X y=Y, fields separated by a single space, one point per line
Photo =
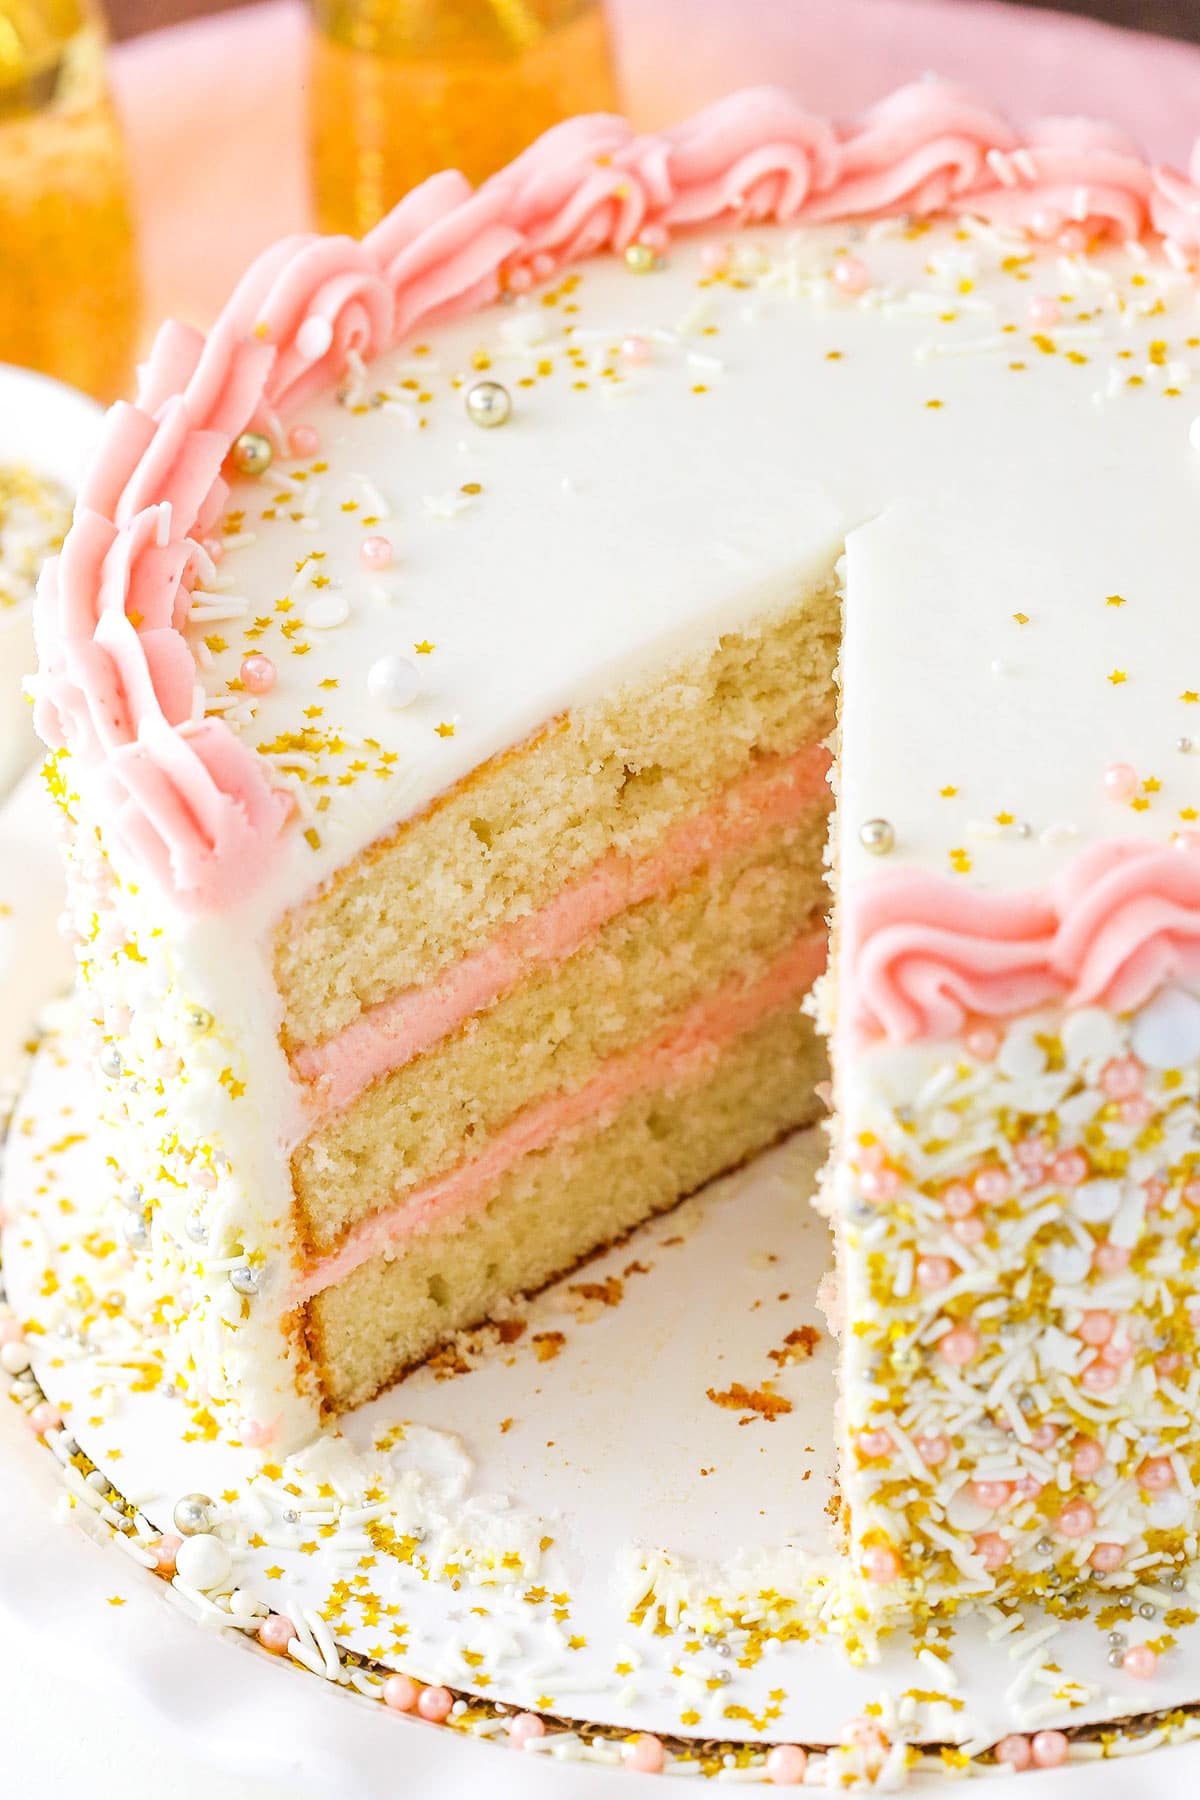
x=563 y=997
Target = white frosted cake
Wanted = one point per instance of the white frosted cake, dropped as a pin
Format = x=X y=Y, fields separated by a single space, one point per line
x=443 y=672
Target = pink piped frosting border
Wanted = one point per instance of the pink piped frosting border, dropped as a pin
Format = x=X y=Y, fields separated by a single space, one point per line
x=194 y=808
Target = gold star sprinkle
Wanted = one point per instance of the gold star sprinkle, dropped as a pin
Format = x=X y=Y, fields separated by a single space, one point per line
x=1117 y=677
x=948 y=793
x=1151 y=785
x=424 y=648
x=960 y=861
x=1115 y=600
x=1189 y=696
x=1004 y=818
x=1021 y=618
x=116 y=1599
x=443 y=730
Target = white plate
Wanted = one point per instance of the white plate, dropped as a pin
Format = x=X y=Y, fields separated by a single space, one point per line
x=51 y=428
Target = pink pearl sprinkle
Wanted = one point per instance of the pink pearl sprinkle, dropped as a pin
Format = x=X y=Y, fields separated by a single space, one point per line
x=876 y=1443
x=10 y=1331
x=1100 y=1377
x=1186 y=840
x=1110 y=1259
x=880 y=1564
x=1120 y=781
x=1169 y=1363
x=276 y=1633
x=786 y=1764
x=524 y=1728
x=400 y=1692
x=1033 y=1152
x=1014 y=1751
x=1087 y=1458
x=968 y=1231
x=1076 y=1519
x=1044 y=1437
x=991 y=1187
x=205 y=1178
x=304 y=440
x=992 y=1494
x=1028 y=1487
x=1074 y=239
x=655 y=236
x=635 y=349
x=375 y=552
x=1096 y=1328
x=1155 y=1192
x=645 y=1754
x=1116 y=1353
x=1046 y=223
x=851 y=275
x=43 y=1417
x=983 y=1042
x=213 y=548
x=434 y=1704
x=1070 y=1167
x=932 y=1447
x=991 y=1550
x=254 y=1434
x=879 y=1184
x=1138 y=1111
x=165 y=1552
x=714 y=258
x=1049 y=1749
x=1044 y=311
x=1156 y=1475
x=1107 y=1557
x=257 y=673
x=1189 y=1193
x=958 y=1200
x=1121 y=1078
x=1140 y=1661
x=959 y=1346
x=934 y=1272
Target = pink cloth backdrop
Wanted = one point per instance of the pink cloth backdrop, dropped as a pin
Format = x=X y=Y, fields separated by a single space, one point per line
x=215 y=110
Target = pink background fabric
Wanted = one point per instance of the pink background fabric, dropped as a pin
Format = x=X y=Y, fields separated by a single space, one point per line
x=215 y=111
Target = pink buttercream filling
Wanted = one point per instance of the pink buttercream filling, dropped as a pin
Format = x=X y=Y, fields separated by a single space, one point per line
x=391 y=1033
x=664 y=1062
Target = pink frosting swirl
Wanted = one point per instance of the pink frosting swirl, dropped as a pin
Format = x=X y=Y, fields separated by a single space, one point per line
x=923 y=953
x=1071 y=173
x=117 y=683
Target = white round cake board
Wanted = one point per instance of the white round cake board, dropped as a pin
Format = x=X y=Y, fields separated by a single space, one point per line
x=608 y=1438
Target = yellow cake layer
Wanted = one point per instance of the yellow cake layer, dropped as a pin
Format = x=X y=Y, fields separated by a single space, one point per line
x=549 y=1035
x=521 y=827
x=558 y=1204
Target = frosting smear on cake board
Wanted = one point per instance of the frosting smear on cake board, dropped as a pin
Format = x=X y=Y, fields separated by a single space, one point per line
x=499 y=660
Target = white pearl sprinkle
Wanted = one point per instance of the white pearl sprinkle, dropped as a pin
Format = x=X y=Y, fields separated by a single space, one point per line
x=314 y=338
x=326 y=611
x=14 y=1358
x=203 y=1561
x=393 y=681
